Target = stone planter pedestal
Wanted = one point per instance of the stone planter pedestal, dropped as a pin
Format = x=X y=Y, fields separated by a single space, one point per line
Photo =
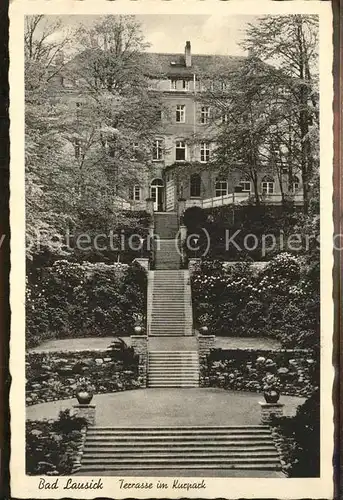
x=143 y=262
x=269 y=410
x=140 y=346
x=85 y=411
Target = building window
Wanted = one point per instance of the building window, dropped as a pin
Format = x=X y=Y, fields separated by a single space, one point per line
x=294 y=185
x=221 y=187
x=180 y=151
x=135 y=193
x=246 y=186
x=157 y=150
x=195 y=186
x=173 y=84
x=180 y=113
x=185 y=84
x=204 y=152
x=205 y=114
x=224 y=118
x=224 y=85
x=77 y=148
x=268 y=185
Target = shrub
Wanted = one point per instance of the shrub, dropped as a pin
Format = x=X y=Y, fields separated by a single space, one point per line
x=280 y=301
x=245 y=219
x=73 y=300
x=299 y=439
x=51 y=446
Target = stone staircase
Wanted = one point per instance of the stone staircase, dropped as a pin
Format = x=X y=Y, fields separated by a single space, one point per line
x=173 y=369
x=167 y=255
x=170 y=300
x=142 y=448
x=166 y=225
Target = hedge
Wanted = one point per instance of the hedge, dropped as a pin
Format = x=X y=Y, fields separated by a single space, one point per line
x=243 y=370
x=54 y=376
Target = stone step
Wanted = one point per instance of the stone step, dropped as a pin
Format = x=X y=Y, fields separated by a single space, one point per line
x=184 y=367
x=229 y=428
x=173 y=385
x=167 y=334
x=181 y=439
x=94 y=469
x=173 y=367
x=172 y=313
x=168 y=325
x=183 y=455
x=230 y=446
x=181 y=460
x=175 y=376
x=174 y=352
x=165 y=329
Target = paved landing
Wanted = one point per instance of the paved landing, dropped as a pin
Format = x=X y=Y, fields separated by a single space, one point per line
x=163 y=407
x=173 y=344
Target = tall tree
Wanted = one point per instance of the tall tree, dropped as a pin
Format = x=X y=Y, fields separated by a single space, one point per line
x=247 y=111
x=86 y=132
x=291 y=42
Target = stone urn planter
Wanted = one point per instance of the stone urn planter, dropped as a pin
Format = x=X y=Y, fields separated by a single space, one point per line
x=271 y=396
x=138 y=330
x=271 y=388
x=204 y=330
x=84 y=397
x=84 y=391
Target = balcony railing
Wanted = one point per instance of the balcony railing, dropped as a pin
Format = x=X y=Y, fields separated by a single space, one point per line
x=237 y=198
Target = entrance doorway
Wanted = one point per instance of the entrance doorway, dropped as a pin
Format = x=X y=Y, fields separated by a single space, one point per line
x=156 y=193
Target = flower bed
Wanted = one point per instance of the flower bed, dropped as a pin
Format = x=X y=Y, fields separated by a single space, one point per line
x=55 y=376
x=244 y=370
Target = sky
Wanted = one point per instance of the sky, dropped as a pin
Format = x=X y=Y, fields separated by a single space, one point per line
x=168 y=33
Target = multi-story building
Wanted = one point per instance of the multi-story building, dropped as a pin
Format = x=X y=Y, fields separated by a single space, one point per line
x=180 y=166
x=181 y=153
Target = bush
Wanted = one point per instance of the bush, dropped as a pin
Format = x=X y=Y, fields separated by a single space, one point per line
x=245 y=219
x=281 y=301
x=72 y=300
x=298 y=439
x=52 y=446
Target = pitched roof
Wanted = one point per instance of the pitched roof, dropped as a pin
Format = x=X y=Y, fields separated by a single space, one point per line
x=174 y=64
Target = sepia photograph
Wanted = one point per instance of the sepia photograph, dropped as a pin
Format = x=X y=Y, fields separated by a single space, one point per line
x=173 y=261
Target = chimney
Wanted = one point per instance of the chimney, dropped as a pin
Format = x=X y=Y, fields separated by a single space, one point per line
x=188 y=56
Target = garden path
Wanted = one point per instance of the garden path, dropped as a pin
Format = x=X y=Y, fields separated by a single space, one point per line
x=163 y=407
x=96 y=343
